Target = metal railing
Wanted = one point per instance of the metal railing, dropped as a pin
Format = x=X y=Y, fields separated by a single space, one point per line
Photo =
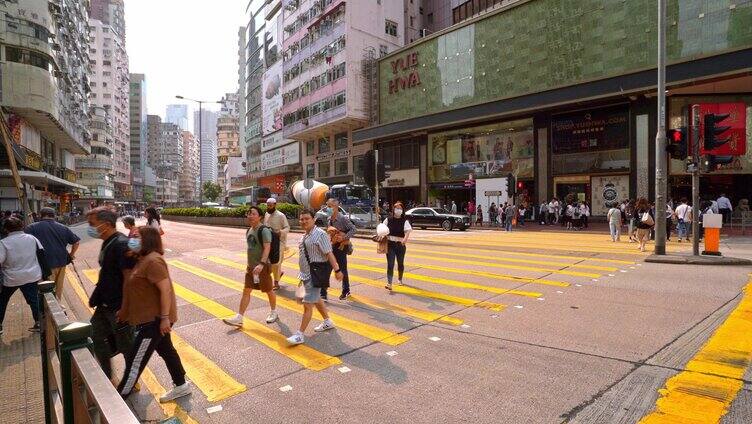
x=741 y=219
x=75 y=388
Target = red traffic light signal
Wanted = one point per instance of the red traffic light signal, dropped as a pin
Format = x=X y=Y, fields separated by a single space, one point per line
x=676 y=143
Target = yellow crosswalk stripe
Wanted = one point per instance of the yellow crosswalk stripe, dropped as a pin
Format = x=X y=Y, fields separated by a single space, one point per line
x=170 y=409
x=455 y=283
x=547 y=245
x=527 y=261
x=460 y=284
x=212 y=380
x=304 y=355
x=353 y=326
x=364 y=300
x=441 y=249
x=504 y=266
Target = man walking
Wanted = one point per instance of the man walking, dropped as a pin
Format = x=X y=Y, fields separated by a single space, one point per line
x=55 y=238
x=454 y=208
x=509 y=214
x=724 y=207
x=277 y=221
x=684 y=219
x=258 y=276
x=107 y=297
x=341 y=229
x=315 y=247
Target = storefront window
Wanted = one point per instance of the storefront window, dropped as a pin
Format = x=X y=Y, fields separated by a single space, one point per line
x=340 y=166
x=323 y=145
x=310 y=171
x=324 y=169
x=404 y=154
x=340 y=141
x=591 y=141
x=484 y=151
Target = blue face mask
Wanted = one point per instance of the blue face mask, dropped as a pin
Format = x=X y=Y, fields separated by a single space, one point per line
x=329 y=211
x=134 y=244
x=92 y=231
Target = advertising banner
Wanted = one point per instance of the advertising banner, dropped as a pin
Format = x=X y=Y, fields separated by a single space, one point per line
x=285 y=155
x=607 y=190
x=589 y=130
x=271 y=101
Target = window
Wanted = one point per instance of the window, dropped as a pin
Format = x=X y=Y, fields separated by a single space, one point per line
x=340 y=166
x=310 y=171
x=412 y=22
x=26 y=57
x=324 y=169
x=323 y=146
x=358 y=168
x=383 y=50
x=309 y=148
x=429 y=17
x=391 y=28
x=340 y=141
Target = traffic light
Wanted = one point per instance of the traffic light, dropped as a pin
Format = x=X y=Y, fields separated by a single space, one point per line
x=676 y=143
x=369 y=168
x=712 y=130
x=511 y=186
x=381 y=173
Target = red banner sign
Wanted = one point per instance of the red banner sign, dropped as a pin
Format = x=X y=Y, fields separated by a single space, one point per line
x=737 y=134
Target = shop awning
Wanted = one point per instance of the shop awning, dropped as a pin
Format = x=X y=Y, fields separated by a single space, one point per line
x=41 y=178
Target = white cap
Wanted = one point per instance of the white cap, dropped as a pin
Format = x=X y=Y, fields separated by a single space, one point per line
x=271 y=200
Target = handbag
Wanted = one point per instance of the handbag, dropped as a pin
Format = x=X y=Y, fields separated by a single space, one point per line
x=647 y=219
x=320 y=271
x=300 y=292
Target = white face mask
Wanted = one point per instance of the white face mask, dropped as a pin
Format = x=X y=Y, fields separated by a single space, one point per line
x=398 y=213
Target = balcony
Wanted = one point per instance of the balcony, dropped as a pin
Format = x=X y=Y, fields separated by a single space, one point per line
x=33 y=94
x=323 y=124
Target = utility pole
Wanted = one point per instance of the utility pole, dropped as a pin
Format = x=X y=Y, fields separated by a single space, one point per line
x=660 y=138
x=696 y=180
x=20 y=189
x=376 y=184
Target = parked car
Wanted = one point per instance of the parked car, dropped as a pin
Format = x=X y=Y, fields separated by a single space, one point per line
x=435 y=217
x=322 y=218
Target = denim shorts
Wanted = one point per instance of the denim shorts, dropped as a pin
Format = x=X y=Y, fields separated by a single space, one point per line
x=312 y=294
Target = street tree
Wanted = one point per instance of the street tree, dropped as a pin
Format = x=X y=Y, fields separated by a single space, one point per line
x=212 y=191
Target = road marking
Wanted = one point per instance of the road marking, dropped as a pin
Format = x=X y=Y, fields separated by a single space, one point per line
x=213 y=409
x=434 y=339
x=465 y=326
x=92 y=274
x=285 y=388
x=502 y=259
x=391 y=353
x=488 y=264
x=302 y=354
x=441 y=249
x=375 y=303
x=711 y=380
x=170 y=409
x=414 y=291
x=344 y=370
x=518 y=306
x=455 y=283
x=366 y=330
x=541 y=245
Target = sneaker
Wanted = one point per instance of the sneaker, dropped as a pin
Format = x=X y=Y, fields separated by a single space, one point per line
x=1 y=329
x=399 y=282
x=276 y=286
x=35 y=328
x=325 y=297
x=176 y=392
x=327 y=324
x=272 y=317
x=296 y=339
x=344 y=295
x=236 y=321
x=388 y=286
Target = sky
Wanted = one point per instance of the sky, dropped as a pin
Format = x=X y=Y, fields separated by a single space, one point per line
x=185 y=47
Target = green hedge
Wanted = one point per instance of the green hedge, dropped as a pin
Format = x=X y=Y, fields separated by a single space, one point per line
x=288 y=209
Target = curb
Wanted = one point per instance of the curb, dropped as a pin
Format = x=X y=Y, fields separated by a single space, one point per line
x=697 y=260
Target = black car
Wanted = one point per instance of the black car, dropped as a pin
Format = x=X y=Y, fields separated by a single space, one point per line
x=436 y=217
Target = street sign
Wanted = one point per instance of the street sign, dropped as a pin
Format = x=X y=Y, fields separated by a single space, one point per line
x=492 y=193
x=736 y=132
x=308 y=183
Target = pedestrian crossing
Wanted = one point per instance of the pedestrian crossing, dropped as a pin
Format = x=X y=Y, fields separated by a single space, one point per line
x=441 y=283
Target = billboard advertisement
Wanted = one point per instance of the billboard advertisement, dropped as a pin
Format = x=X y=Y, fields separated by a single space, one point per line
x=271 y=101
x=285 y=155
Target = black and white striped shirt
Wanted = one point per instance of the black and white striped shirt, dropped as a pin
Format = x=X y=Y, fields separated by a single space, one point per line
x=318 y=245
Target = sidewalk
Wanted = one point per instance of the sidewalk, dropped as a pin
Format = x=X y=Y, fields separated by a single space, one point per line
x=20 y=367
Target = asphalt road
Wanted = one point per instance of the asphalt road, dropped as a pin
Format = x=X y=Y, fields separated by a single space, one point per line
x=544 y=327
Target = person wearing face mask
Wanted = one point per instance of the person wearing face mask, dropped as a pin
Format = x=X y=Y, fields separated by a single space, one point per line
x=277 y=221
x=399 y=231
x=341 y=229
x=109 y=337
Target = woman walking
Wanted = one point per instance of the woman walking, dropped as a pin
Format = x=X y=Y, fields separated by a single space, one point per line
x=21 y=268
x=153 y=219
x=614 y=222
x=399 y=232
x=644 y=221
x=149 y=305
x=479 y=220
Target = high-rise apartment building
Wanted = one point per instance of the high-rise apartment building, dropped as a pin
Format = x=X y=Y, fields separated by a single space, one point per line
x=228 y=141
x=111 y=87
x=178 y=115
x=142 y=176
x=44 y=88
x=188 y=187
x=170 y=151
x=205 y=126
x=327 y=89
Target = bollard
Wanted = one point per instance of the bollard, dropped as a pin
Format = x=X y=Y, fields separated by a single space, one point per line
x=712 y=223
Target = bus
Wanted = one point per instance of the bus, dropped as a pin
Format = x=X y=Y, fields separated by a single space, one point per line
x=248 y=196
x=352 y=195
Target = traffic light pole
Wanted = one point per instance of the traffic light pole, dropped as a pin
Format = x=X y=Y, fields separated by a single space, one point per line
x=660 y=138
x=376 y=184
x=696 y=180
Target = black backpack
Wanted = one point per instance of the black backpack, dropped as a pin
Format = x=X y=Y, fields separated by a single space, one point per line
x=274 y=250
